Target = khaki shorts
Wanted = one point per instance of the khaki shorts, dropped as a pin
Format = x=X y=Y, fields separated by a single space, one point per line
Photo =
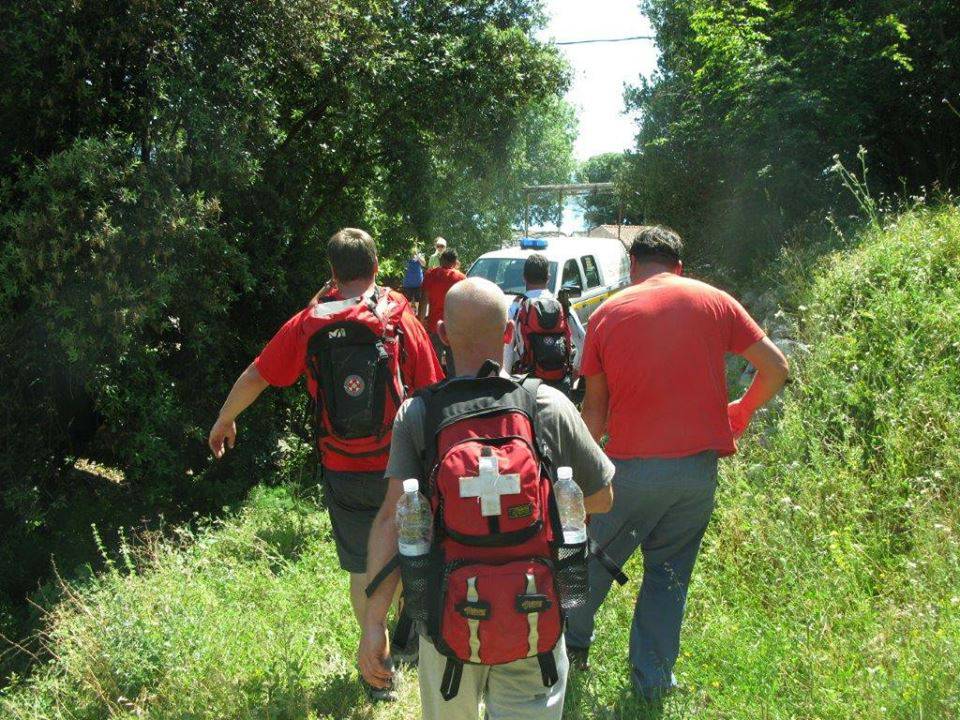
x=513 y=691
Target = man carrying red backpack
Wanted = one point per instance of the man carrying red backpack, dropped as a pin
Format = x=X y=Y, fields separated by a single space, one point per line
x=362 y=351
x=548 y=341
x=490 y=592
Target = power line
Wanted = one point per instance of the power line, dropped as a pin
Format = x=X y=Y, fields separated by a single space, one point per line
x=607 y=40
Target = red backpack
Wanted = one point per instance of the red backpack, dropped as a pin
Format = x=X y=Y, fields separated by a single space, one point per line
x=545 y=331
x=354 y=355
x=504 y=578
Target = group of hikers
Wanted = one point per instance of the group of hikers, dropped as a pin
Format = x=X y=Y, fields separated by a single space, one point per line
x=500 y=602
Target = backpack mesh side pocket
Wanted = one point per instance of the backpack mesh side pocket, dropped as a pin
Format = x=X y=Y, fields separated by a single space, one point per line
x=571 y=575
x=421 y=577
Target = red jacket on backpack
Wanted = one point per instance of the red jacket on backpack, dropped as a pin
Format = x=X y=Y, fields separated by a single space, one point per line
x=301 y=347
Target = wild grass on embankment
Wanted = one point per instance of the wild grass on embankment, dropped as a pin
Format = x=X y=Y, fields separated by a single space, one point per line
x=828 y=587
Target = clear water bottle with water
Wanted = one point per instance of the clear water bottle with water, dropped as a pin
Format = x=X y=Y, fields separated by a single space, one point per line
x=573 y=515
x=414 y=520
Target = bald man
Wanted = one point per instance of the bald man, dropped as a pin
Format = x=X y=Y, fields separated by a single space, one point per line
x=475 y=326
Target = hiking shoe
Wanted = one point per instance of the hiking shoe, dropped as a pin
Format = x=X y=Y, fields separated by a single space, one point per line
x=579 y=658
x=378 y=695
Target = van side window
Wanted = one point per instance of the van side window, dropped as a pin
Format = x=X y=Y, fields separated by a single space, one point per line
x=571 y=274
x=590 y=270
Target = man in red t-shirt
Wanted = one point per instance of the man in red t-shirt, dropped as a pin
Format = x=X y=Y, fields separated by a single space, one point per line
x=436 y=283
x=654 y=362
x=354 y=485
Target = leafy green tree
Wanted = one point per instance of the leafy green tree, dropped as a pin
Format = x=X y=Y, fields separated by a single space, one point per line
x=539 y=152
x=752 y=100
x=606 y=208
x=169 y=173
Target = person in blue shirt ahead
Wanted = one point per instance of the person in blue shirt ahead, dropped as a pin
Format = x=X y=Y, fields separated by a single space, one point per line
x=413 y=276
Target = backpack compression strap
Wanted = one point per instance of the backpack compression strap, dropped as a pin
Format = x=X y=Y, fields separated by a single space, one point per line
x=378 y=579
x=450 y=684
x=453 y=673
x=607 y=562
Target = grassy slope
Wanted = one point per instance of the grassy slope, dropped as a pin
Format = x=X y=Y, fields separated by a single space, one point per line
x=829 y=584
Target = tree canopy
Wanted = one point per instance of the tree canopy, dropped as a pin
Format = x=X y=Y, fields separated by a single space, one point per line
x=600 y=208
x=752 y=101
x=169 y=173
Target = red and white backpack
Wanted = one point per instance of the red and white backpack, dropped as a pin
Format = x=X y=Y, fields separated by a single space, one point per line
x=545 y=331
x=497 y=558
x=354 y=355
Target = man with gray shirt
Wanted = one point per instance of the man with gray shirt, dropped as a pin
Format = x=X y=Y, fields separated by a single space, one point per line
x=475 y=326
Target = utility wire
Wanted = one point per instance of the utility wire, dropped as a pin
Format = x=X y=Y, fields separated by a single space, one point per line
x=607 y=40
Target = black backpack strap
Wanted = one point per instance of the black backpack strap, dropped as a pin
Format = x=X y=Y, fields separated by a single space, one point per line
x=520 y=300
x=523 y=310
x=488 y=369
x=428 y=456
x=450 y=684
x=548 y=669
x=531 y=384
x=397 y=402
x=385 y=571
x=607 y=562
x=316 y=402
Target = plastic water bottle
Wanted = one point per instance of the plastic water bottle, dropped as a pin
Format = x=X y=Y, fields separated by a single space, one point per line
x=573 y=516
x=414 y=520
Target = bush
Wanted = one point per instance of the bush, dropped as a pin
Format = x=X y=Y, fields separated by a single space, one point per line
x=223 y=622
x=828 y=584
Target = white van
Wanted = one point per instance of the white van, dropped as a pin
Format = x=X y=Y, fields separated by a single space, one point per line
x=588 y=269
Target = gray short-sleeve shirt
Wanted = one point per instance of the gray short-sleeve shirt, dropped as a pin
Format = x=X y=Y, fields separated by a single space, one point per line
x=558 y=425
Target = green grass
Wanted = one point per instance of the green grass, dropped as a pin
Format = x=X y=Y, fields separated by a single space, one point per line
x=828 y=586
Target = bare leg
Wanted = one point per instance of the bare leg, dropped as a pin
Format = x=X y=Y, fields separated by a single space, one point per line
x=358 y=598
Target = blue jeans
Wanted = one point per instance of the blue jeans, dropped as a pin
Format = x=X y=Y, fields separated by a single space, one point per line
x=662 y=506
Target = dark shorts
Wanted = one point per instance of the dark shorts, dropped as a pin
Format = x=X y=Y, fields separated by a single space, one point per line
x=412 y=294
x=353 y=500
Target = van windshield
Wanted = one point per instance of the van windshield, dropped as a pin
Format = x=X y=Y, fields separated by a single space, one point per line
x=507 y=273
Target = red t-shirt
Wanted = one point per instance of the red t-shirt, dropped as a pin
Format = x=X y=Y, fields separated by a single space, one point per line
x=283 y=360
x=436 y=283
x=662 y=346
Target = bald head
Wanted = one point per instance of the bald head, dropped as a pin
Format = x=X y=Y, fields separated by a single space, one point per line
x=475 y=317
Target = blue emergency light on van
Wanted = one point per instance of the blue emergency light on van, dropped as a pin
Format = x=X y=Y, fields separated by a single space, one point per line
x=529 y=243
